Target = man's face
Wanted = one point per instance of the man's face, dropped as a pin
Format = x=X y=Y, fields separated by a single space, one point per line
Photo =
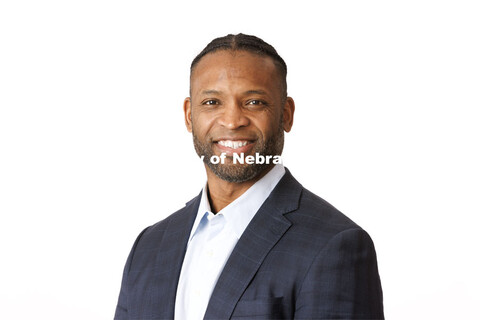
x=237 y=106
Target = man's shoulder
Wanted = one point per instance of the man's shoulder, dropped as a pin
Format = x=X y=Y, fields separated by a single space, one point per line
x=305 y=207
x=314 y=223
x=319 y=211
x=314 y=217
x=177 y=220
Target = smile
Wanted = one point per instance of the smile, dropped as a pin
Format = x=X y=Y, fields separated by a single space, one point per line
x=234 y=144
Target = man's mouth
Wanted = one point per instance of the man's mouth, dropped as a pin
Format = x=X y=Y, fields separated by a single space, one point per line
x=229 y=146
x=234 y=144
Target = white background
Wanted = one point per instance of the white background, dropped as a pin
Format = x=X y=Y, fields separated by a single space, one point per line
x=93 y=146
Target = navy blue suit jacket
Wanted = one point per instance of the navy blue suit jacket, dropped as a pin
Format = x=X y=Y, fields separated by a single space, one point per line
x=299 y=258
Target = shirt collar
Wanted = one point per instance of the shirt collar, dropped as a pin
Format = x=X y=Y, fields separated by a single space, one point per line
x=240 y=212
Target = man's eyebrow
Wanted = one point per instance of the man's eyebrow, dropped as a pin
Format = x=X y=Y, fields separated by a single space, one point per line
x=210 y=92
x=260 y=92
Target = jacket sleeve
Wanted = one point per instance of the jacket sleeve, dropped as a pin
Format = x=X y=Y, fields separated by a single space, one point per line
x=121 y=312
x=343 y=281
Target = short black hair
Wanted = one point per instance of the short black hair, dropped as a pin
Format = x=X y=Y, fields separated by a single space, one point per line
x=248 y=43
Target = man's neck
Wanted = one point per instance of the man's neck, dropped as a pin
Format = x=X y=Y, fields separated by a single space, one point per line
x=221 y=193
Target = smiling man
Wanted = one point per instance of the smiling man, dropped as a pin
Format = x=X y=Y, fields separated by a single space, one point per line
x=254 y=244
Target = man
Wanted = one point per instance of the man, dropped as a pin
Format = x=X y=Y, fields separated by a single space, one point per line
x=254 y=244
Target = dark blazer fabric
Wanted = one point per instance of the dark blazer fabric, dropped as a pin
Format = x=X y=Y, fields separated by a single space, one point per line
x=299 y=258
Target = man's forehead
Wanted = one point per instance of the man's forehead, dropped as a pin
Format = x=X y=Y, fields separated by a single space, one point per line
x=227 y=64
x=235 y=60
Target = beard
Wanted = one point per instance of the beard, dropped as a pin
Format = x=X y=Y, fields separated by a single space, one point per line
x=238 y=172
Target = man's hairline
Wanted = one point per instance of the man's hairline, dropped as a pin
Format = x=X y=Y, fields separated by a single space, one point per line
x=278 y=67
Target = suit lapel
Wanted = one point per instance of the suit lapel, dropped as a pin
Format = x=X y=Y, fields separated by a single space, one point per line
x=174 y=244
x=261 y=235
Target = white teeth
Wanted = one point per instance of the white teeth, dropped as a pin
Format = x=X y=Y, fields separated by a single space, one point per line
x=232 y=144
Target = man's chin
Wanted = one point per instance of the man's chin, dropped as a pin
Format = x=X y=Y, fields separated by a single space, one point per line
x=237 y=173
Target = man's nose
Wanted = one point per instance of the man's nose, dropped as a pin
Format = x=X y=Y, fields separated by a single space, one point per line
x=234 y=116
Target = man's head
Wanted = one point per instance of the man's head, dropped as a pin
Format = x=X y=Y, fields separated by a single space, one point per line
x=238 y=104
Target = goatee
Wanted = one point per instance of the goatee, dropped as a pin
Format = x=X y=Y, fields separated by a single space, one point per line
x=237 y=173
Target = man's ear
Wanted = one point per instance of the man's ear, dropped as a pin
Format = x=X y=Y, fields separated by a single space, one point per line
x=288 y=111
x=187 y=110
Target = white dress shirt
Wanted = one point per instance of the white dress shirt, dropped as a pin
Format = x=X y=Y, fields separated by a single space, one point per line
x=211 y=242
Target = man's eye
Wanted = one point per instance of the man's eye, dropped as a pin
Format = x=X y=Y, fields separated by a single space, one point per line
x=256 y=102
x=211 y=102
